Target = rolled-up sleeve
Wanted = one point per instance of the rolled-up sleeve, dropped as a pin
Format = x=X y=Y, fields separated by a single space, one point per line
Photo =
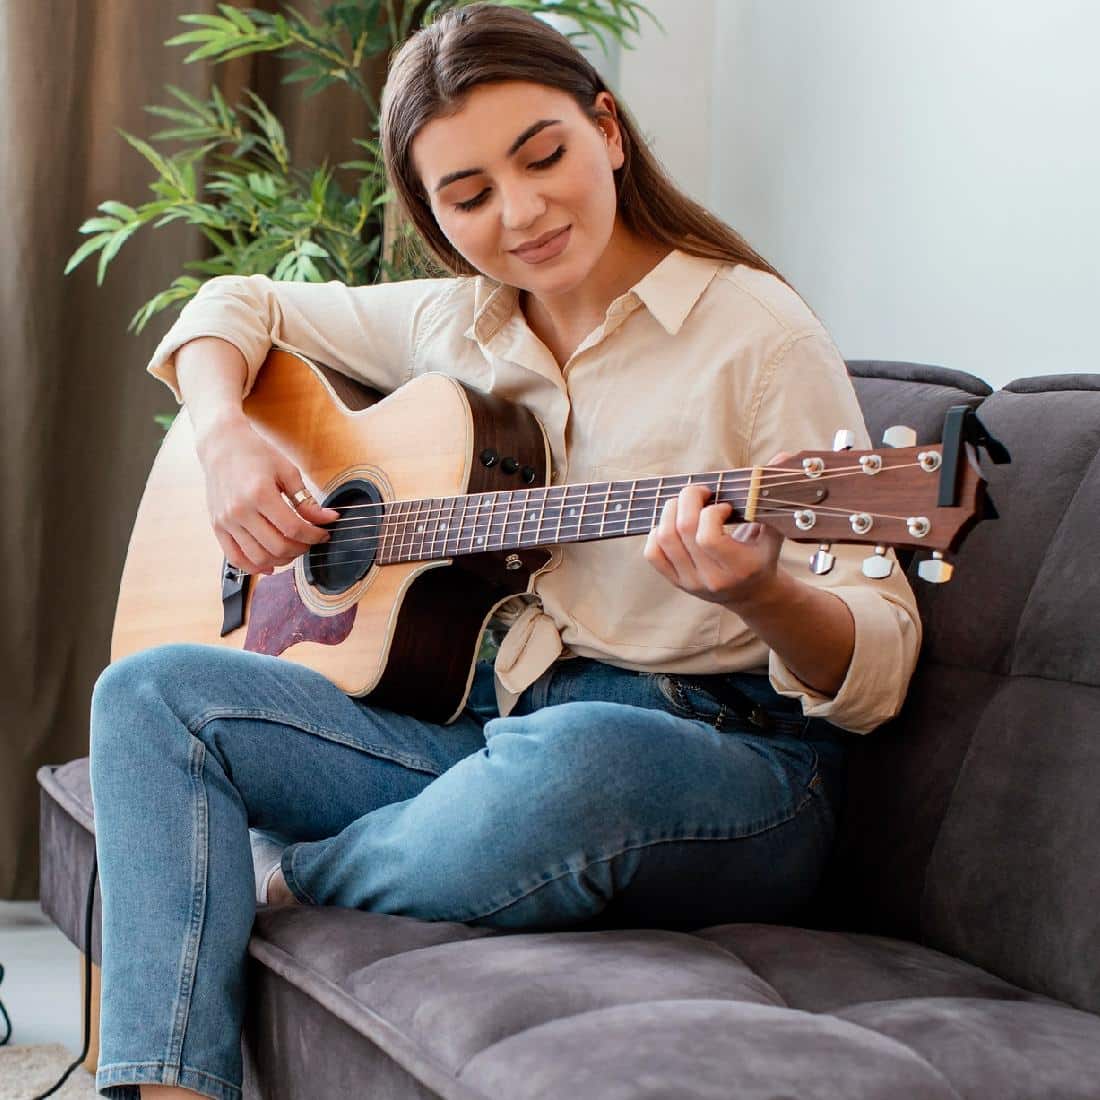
x=370 y=333
x=803 y=398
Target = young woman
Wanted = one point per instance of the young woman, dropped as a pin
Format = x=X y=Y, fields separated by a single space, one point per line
x=661 y=740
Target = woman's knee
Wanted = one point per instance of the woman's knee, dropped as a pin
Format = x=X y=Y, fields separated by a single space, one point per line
x=130 y=691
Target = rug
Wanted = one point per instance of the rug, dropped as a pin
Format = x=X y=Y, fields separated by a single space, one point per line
x=27 y=1071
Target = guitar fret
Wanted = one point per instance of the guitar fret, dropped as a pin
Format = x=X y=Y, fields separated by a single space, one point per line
x=474 y=523
x=507 y=517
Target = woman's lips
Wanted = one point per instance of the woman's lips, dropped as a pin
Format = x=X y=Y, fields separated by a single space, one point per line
x=553 y=247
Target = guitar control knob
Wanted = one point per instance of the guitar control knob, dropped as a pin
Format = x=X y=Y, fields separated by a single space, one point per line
x=935 y=570
x=488 y=457
x=844 y=440
x=528 y=474
x=509 y=466
x=822 y=561
x=878 y=565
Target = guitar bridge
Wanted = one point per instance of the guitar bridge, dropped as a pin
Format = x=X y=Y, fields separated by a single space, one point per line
x=234 y=593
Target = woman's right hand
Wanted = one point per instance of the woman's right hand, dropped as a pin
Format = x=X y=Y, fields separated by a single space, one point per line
x=256 y=527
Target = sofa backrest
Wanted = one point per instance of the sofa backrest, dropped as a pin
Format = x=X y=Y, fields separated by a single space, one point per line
x=972 y=817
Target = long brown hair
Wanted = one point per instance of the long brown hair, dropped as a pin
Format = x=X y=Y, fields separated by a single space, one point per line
x=486 y=43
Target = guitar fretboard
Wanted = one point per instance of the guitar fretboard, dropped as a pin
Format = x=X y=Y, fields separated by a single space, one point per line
x=444 y=527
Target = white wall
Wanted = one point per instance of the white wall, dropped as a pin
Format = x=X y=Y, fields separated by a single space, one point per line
x=926 y=175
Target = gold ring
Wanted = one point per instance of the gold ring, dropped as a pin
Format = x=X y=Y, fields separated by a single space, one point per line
x=302 y=495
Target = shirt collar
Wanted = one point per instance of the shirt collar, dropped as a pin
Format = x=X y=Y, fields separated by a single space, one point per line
x=669 y=292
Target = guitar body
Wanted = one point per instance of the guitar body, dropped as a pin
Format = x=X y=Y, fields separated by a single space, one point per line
x=406 y=633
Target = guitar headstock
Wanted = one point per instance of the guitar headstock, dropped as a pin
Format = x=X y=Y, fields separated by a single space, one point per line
x=885 y=497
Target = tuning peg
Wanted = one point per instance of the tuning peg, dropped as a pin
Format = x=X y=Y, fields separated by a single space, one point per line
x=935 y=570
x=822 y=561
x=844 y=440
x=899 y=436
x=878 y=565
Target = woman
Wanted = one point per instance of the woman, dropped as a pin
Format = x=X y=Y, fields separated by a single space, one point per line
x=661 y=741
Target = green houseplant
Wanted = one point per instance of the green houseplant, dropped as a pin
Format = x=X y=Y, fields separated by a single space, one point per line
x=234 y=178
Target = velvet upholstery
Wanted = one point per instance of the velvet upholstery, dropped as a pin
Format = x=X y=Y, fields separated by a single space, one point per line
x=950 y=953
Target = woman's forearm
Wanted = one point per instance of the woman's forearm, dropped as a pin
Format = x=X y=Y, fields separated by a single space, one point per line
x=810 y=629
x=211 y=373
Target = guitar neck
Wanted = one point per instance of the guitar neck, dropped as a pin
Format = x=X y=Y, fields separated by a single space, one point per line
x=448 y=527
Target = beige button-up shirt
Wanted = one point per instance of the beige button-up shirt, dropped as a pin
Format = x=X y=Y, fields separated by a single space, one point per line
x=700 y=366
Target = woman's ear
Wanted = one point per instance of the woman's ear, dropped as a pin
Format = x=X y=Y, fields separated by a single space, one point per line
x=610 y=128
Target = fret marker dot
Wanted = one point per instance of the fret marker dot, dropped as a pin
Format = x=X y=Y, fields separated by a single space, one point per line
x=420 y=529
x=617 y=508
x=480 y=538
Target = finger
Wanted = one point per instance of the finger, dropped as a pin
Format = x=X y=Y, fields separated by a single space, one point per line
x=256 y=558
x=274 y=541
x=653 y=553
x=715 y=540
x=234 y=555
x=289 y=480
x=293 y=525
x=670 y=543
x=689 y=511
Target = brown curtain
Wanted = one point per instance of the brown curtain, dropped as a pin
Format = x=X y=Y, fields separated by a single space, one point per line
x=77 y=435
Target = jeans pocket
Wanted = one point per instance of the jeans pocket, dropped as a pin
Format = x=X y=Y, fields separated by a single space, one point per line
x=724 y=706
x=687 y=700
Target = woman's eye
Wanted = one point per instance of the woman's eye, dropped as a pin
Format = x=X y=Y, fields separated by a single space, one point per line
x=553 y=158
x=477 y=200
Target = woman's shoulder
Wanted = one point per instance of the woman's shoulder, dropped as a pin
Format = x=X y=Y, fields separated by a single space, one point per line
x=750 y=294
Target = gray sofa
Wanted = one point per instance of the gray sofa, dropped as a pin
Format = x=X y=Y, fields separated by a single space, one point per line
x=953 y=950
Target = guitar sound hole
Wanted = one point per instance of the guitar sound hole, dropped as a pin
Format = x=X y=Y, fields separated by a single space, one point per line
x=334 y=566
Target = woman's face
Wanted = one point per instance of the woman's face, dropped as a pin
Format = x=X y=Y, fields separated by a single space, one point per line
x=517 y=162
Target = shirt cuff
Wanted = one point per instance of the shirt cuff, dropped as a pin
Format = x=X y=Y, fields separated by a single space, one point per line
x=886 y=639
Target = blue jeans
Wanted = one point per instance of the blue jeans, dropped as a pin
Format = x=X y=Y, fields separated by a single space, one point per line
x=608 y=798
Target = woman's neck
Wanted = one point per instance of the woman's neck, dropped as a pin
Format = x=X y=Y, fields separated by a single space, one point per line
x=562 y=321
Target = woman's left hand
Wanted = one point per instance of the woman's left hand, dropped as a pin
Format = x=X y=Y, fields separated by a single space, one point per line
x=691 y=548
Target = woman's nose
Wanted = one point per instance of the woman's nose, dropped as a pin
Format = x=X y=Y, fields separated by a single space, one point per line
x=521 y=206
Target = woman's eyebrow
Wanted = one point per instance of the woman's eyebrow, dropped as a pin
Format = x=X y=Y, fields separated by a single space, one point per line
x=514 y=148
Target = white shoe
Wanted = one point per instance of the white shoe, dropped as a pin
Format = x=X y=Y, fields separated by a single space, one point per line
x=267 y=854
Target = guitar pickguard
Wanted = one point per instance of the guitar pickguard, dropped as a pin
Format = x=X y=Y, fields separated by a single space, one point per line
x=277 y=618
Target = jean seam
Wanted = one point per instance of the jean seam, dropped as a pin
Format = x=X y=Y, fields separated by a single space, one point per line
x=109 y=1076
x=290 y=876
x=190 y=949
x=196 y=725
x=745 y=835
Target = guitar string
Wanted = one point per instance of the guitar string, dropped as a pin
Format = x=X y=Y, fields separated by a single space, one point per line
x=393 y=518
x=404 y=524
x=484 y=525
x=792 y=477
x=326 y=556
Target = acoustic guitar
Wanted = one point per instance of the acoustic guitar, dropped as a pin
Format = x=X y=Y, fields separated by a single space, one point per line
x=446 y=511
